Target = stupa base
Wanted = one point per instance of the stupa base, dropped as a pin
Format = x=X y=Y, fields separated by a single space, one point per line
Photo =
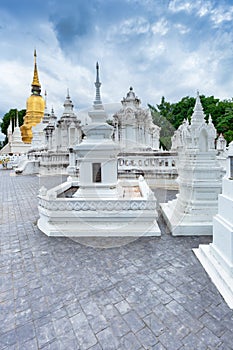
x=221 y=277
x=78 y=227
x=133 y=213
x=182 y=224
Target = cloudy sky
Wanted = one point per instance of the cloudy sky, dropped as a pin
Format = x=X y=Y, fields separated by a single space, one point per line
x=160 y=47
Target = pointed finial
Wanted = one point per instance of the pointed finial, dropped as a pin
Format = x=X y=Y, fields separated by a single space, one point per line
x=97 y=86
x=45 y=99
x=198 y=97
x=210 y=119
x=68 y=94
x=198 y=101
x=35 y=82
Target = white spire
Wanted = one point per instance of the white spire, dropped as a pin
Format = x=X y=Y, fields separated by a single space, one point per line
x=45 y=119
x=52 y=118
x=97 y=102
x=9 y=129
x=68 y=105
x=198 y=116
x=198 y=105
x=16 y=137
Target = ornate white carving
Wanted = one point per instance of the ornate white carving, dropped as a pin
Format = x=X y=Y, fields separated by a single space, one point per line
x=80 y=205
x=134 y=127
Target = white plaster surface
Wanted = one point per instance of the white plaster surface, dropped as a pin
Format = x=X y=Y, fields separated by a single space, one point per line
x=199 y=178
x=217 y=257
x=219 y=276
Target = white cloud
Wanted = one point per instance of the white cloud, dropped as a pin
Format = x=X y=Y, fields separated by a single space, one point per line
x=161 y=27
x=182 y=28
x=131 y=26
x=204 y=8
x=153 y=58
x=218 y=15
x=181 y=5
x=222 y=14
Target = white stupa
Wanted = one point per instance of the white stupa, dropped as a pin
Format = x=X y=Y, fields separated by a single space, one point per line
x=200 y=178
x=98 y=203
x=17 y=146
x=38 y=141
x=217 y=257
x=134 y=127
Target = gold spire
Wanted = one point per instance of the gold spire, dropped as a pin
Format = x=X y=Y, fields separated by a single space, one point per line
x=35 y=107
x=35 y=81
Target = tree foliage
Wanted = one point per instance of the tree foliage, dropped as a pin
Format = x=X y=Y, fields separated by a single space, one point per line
x=167 y=129
x=174 y=113
x=11 y=115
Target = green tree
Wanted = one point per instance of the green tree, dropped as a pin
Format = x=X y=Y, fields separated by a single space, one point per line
x=167 y=129
x=182 y=110
x=221 y=113
x=11 y=115
x=225 y=124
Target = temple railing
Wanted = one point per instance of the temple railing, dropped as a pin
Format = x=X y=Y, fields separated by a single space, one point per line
x=96 y=205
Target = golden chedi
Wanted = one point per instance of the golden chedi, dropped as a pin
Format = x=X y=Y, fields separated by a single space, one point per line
x=35 y=107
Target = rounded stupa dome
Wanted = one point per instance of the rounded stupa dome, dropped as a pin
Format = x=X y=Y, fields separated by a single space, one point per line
x=36 y=103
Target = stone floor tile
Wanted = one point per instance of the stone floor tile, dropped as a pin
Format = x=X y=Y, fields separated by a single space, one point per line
x=68 y=341
x=129 y=342
x=192 y=341
x=62 y=325
x=146 y=338
x=83 y=332
x=209 y=321
x=170 y=341
x=107 y=339
x=95 y=347
x=119 y=326
x=158 y=346
x=25 y=332
x=109 y=311
x=73 y=308
x=209 y=338
x=90 y=308
x=154 y=324
x=29 y=345
x=123 y=307
x=8 y=339
x=98 y=323
x=134 y=322
x=45 y=334
x=227 y=339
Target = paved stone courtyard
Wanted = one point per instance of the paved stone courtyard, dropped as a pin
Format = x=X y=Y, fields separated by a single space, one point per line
x=56 y=293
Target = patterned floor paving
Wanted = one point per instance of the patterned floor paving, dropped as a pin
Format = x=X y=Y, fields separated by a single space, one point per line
x=131 y=294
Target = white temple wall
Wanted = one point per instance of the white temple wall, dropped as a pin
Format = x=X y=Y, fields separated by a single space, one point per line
x=71 y=136
x=109 y=171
